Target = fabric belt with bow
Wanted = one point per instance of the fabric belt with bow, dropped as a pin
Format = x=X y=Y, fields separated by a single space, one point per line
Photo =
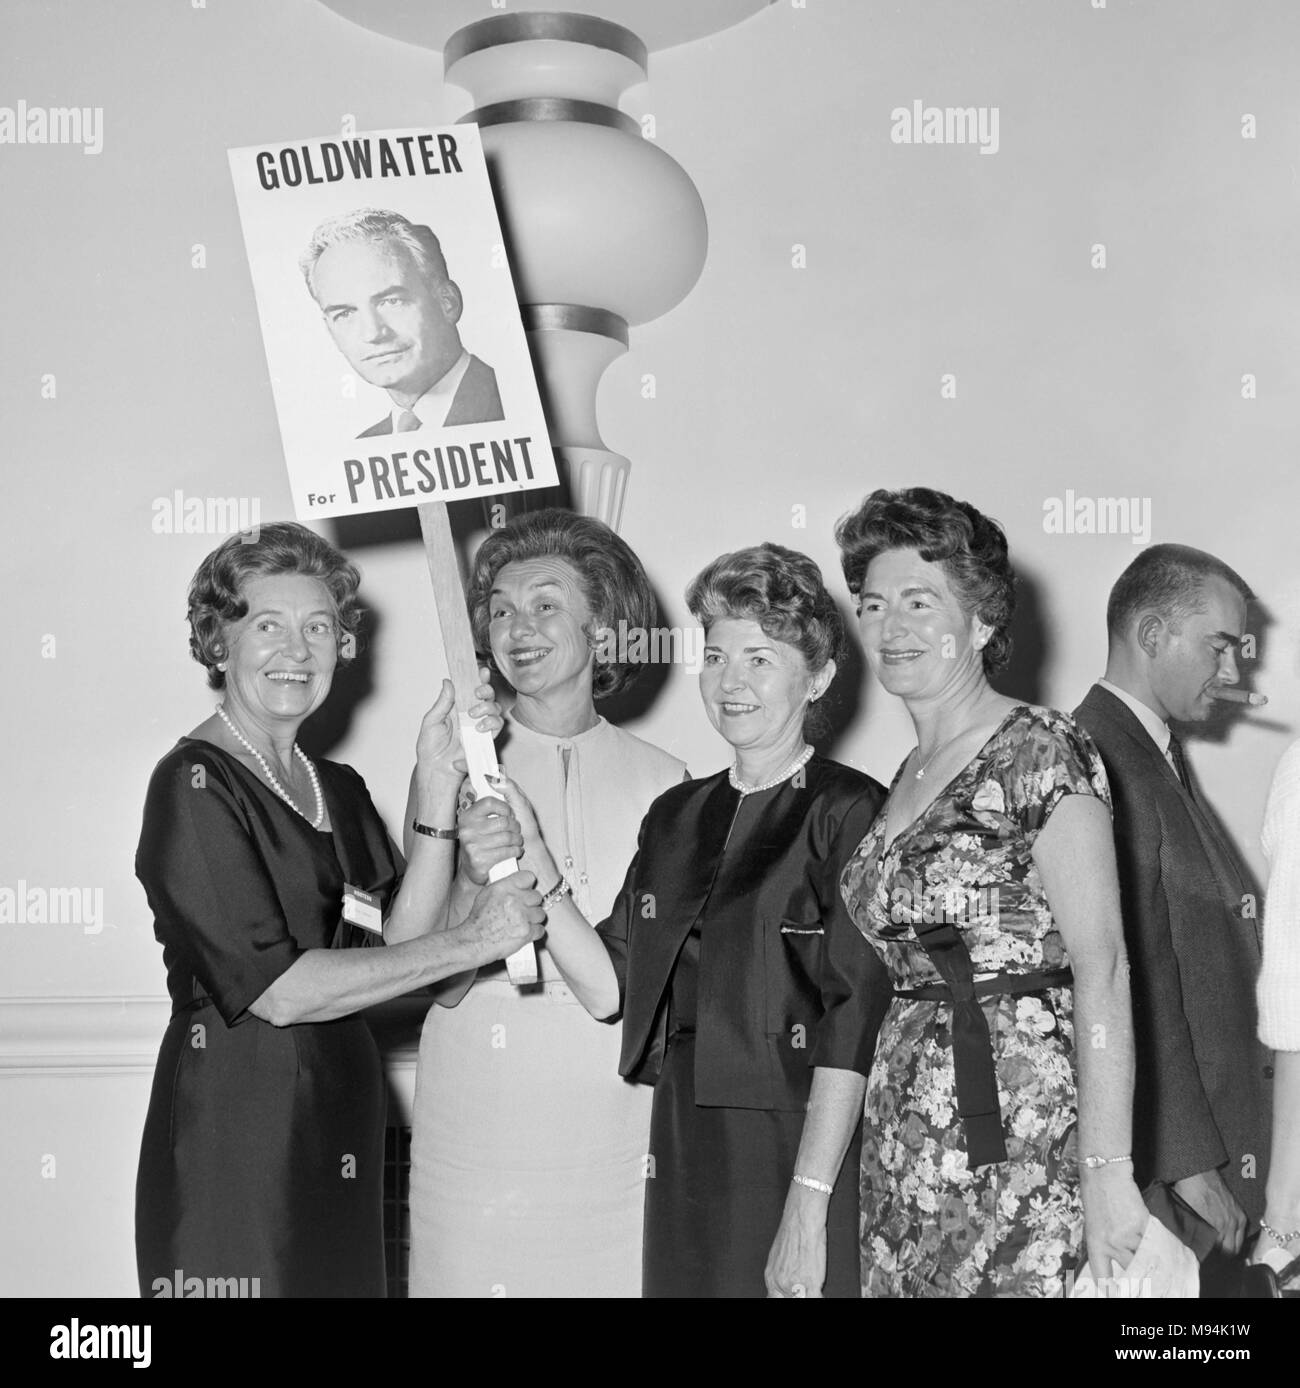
x=974 y=1072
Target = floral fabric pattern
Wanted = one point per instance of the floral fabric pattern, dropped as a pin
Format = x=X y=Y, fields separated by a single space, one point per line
x=932 y=1226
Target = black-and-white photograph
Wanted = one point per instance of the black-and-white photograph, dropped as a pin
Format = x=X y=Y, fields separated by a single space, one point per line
x=654 y=653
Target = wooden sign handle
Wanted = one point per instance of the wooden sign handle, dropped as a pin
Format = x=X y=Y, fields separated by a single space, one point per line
x=462 y=670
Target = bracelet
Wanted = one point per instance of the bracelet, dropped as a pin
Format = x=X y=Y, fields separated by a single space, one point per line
x=812 y=1185
x=1093 y=1162
x=557 y=893
x=1278 y=1236
x=434 y=833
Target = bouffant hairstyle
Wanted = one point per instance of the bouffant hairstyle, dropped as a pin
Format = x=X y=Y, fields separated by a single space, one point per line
x=780 y=589
x=216 y=591
x=783 y=591
x=613 y=582
x=1170 y=580
x=969 y=546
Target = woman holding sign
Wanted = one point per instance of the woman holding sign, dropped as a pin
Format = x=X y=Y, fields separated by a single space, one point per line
x=268 y=872
x=528 y=1159
x=729 y=951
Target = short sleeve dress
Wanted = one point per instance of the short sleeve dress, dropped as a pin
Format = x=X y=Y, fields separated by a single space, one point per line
x=262 y=1155
x=933 y=1225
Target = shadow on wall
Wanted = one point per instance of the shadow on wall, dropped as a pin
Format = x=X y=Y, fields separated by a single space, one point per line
x=844 y=699
x=353 y=685
x=330 y=725
x=1219 y=729
x=637 y=699
x=1031 y=644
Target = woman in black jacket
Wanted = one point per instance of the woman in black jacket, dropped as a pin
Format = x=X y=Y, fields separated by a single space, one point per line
x=729 y=953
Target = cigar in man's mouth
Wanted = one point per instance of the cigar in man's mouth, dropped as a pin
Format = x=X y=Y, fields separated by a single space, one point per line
x=1237 y=696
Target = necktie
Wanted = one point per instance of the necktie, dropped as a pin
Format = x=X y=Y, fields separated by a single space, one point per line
x=407 y=422
x=1180 y=764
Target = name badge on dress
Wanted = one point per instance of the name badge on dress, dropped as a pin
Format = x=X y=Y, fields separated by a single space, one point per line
x=362 y=908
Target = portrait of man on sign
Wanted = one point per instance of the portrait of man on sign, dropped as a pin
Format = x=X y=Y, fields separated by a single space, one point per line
x=383 y=288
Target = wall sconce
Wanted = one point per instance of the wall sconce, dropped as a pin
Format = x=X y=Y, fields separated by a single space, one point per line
x=605 y=231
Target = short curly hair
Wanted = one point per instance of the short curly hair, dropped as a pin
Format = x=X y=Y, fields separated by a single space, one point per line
x=783 y=591
x=216 y=591
x=969 y=546
x=613 y=581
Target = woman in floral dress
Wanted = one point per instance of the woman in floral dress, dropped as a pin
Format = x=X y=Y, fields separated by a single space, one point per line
x=994 y=1152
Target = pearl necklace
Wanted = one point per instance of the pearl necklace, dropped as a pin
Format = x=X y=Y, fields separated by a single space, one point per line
x=275 y=784
x=794 y=766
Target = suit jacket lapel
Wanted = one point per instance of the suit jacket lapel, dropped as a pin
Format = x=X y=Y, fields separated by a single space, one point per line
x=1123 y=720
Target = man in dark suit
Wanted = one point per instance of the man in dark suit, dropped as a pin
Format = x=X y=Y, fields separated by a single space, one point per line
x=1201 y=1112
x=392 y=309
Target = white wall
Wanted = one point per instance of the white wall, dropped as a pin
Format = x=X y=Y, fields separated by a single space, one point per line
x=776 y=388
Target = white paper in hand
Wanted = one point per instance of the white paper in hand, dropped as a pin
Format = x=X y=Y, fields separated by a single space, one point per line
x=1163 y=1266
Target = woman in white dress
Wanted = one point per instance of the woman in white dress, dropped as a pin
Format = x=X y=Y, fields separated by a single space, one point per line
x=528 y=1154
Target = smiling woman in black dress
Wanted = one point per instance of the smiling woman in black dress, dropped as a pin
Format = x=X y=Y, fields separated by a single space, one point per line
x=263 y=1145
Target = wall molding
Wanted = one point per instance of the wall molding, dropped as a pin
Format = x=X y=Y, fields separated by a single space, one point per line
x=102 y=1035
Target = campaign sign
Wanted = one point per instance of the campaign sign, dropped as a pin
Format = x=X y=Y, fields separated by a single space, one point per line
x=398 y=362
